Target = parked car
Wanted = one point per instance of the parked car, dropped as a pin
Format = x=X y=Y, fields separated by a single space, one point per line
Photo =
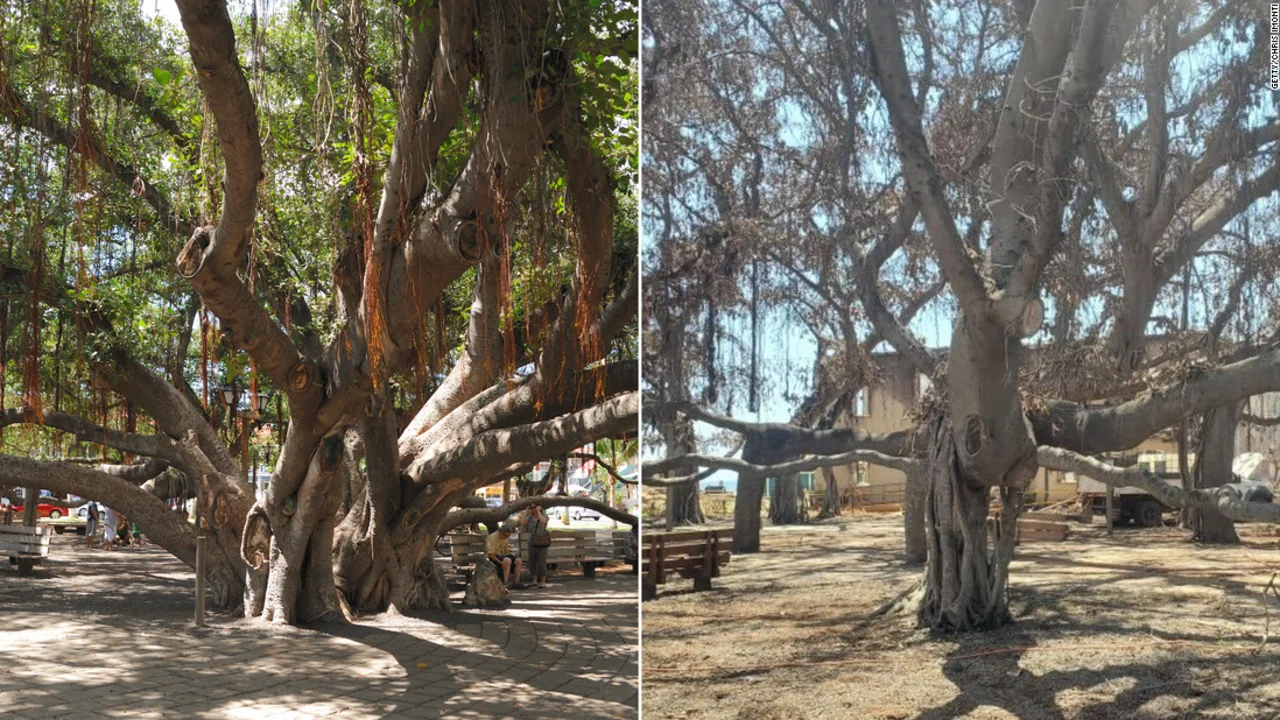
x=44 y=510
x=577 y=513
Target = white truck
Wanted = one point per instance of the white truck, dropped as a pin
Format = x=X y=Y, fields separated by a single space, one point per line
x=1129 y=503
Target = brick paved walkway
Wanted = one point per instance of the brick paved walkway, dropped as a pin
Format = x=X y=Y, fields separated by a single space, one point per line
x=109 y=635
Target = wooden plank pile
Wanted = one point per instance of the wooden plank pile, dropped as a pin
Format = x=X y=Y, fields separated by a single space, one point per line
x=1057 y=516
x=1033 y=530
x=25 y=546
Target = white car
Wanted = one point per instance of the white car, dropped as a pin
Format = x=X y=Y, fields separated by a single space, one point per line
x=577 y=513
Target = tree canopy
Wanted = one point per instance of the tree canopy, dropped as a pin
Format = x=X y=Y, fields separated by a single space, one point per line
x=410 y=227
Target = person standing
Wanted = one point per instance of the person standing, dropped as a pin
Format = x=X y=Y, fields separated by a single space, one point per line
x=536 y=526
x=91 y=521
x=108 y=528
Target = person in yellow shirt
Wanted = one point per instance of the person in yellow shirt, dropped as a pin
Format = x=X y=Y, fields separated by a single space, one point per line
x=497 y=547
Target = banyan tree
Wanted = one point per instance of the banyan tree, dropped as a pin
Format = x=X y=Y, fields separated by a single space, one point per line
x=1072 y=173
x=407 y=224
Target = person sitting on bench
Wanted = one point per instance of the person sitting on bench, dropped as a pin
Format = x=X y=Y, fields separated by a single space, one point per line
x=498 y=549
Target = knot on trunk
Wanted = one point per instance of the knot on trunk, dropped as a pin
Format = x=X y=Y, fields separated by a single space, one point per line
x=470 y=245
x=331 y=452
x=301 y=376
x=191 y=259
x=221 y=509
x=255 y=545
x=974 y=435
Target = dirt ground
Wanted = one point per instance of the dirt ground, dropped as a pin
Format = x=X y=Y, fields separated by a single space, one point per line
x=1142 y=624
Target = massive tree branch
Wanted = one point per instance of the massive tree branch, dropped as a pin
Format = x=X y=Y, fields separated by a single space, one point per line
x=800 y=440
x=894 y=81
x=213 y=52
x=489 y=452
x=1123 y=426
x=152 y=515
x=782 y=469
x=493 y=516
x=158 y=446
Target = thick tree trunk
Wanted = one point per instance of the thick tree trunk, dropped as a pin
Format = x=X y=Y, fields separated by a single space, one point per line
x=786 y=504
x=1213 y=468
x=684 y=504
x=913 y=515
x=746 y=513
x=985 y=441
x=296 y=534
x=831 y=499
x=965 y=581
x=1185 y=478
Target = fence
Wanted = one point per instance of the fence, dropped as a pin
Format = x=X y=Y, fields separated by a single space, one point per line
x=878 y=497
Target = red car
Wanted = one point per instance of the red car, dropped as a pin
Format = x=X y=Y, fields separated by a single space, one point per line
x=52 y=512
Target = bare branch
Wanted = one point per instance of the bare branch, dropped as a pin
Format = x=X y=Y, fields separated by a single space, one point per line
x=790 y=467
x=1121 y=427
x=894 y=80
x=800 y=440
x=1221 y=499
x=493 y=516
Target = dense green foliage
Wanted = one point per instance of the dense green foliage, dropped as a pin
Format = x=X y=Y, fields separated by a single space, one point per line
x=120 y=87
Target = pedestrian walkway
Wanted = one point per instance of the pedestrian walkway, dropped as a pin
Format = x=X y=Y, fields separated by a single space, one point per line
x=109 y=635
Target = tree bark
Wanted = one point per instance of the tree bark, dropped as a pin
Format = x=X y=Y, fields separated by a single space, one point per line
x=965 y=582
x=746 y=513
x=1212 y=469
x=831 y=499
x=913 y=515
x=684 y=504
x=786 y=505
x=297 y=532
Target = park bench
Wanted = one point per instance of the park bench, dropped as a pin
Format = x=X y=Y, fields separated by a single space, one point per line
x=696 y=554
x=587 y=548
x=465 y=550
x=25 y=546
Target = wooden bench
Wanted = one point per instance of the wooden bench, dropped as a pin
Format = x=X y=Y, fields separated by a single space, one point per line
x=465 y=550
x=25 y=546
x=587 y=548
x=697 y=554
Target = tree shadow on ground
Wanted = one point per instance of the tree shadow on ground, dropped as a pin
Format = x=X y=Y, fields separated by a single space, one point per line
x=111 y=633
x=996 y=668
x=991 y=674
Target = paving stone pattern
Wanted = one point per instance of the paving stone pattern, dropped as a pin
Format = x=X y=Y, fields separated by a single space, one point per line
x=98 y=634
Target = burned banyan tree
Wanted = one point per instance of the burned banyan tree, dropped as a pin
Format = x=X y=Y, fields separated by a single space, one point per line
x=409 y=223
x=1089 y=219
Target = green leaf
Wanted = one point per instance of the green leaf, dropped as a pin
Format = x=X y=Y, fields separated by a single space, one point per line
x=162 y=76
